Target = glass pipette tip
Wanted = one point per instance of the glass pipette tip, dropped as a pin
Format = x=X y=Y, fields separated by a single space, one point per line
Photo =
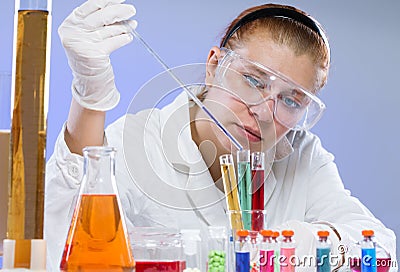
x=187 y=90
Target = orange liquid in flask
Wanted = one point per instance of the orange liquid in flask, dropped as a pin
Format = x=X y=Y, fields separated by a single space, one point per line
x=96 y=239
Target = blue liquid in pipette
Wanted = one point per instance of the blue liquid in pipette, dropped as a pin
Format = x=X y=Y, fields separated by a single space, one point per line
x=368 y=260
x=323 y=260
x=242 y=261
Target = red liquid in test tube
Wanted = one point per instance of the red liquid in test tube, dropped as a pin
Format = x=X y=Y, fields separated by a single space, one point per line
x=257 y=200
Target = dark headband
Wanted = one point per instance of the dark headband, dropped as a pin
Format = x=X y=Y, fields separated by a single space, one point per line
x=278 y=12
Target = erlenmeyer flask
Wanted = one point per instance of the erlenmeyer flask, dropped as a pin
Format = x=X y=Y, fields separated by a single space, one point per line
x=97 y=239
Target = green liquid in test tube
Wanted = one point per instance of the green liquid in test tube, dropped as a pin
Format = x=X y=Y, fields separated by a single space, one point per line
x=244 y=179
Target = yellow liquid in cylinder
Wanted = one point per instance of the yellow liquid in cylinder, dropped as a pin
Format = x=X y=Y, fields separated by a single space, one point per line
x=232 y=195
x=96 y=239
x=28 y=131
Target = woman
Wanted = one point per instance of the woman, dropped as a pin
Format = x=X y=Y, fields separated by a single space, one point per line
x=260 y=83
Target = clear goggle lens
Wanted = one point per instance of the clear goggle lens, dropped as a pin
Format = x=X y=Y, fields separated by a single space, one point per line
x=254 y=83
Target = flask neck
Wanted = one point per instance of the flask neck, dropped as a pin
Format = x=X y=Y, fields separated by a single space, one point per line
x=99 y=171
x=44 y=5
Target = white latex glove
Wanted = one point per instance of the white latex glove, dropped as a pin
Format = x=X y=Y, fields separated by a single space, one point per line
x=89 y=35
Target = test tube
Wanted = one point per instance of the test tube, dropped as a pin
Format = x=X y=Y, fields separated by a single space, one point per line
x=231 y=190
x=257 y=200
x=244 y=178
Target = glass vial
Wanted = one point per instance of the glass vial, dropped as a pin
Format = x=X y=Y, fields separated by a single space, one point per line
x=30 y=85
x=97 y=239
x=254 y=250
x=288 y=252
x=192 y=249
x=267 y=251
x=323 y=246
x=217 y=249
x=242 y=251
x=368 y=252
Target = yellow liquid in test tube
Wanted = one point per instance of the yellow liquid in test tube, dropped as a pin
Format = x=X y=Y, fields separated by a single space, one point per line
x=231 y=191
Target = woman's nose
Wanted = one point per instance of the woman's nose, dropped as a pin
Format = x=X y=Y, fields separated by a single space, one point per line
x=264 y=111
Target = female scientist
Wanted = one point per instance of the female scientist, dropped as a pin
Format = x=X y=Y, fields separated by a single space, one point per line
x=260 y=83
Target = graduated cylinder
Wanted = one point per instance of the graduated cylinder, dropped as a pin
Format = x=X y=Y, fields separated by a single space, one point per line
x=29 y=116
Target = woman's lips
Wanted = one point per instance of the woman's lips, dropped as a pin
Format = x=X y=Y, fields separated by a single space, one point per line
x=251 y=134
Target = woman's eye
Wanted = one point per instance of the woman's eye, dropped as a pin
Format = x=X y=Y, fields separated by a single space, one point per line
x=290 y=102
x=253 y=81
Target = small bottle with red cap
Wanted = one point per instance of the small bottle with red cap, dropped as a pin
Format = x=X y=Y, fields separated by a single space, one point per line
x=254 y=250
x=267 y=251
x=242 y=251
x=287 y=256
x=324 y=246
x=368 y=252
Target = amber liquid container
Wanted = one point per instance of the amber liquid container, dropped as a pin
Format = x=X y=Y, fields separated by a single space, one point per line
x=29 y=116
x=97 y=238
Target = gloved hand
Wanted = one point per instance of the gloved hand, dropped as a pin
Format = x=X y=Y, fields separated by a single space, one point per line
x=89 y=35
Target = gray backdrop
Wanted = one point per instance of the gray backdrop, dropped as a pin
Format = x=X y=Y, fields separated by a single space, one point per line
x=362 y=95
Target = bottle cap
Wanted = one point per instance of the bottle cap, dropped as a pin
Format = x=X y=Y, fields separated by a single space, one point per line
x=275 y=234
x=266 y=233
x=323 y=233
x=242 y=233
x=287 y=233
x=367 y=232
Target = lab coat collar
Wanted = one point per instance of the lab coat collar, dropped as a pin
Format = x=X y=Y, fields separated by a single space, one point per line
x=205 y=198
x=285 y=146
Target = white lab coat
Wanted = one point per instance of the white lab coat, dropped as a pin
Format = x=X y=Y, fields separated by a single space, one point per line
x=163 y=181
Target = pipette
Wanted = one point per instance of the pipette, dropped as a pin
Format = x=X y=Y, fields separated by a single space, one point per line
x=187 y=90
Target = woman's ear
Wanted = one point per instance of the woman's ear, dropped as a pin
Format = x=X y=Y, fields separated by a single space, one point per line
x=212 y=63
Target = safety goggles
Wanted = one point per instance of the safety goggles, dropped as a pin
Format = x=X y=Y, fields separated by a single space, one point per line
x=253 y=83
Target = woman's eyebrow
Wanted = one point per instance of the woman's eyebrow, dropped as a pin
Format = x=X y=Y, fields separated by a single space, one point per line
x=259 y=70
